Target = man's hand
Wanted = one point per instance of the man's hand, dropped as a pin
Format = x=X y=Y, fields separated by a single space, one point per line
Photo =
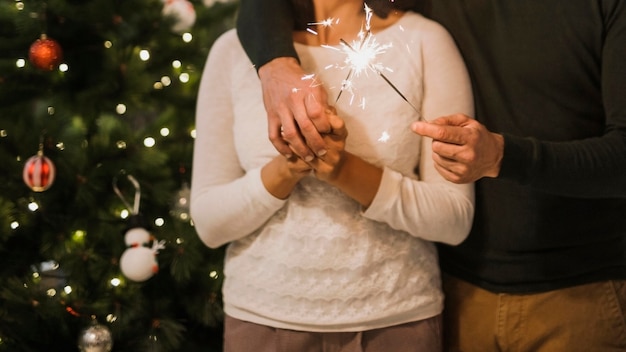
x=296 y=107
x=463 y=149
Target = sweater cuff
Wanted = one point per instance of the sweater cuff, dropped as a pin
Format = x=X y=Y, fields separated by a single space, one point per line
x=385 y=197
x=520 y=158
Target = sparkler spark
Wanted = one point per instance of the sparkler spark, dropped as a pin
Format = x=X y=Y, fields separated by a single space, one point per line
x=325 y=23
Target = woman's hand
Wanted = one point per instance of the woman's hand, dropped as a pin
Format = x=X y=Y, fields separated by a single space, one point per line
x=328 y=166
x=282 y=174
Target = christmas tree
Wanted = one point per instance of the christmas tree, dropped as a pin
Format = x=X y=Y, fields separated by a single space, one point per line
x=97 y=108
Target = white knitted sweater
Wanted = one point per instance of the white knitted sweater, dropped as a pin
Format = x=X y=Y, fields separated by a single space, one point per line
x=317 y=261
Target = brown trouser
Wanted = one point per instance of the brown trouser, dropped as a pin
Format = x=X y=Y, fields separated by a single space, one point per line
x=421 y=336
x=585 y=318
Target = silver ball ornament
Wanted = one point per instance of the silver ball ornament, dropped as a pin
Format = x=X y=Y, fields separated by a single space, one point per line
x=95 y=338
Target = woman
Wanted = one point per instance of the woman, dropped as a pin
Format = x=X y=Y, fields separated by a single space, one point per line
x=333 y=253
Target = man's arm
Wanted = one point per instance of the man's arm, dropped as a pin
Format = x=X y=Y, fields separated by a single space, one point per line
x=592 y=167
x=296 y=106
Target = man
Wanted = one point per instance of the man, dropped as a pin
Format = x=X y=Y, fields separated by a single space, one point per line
x=544 y=268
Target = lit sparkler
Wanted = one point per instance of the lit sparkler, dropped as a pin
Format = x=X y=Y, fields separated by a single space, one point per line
x=361 y=57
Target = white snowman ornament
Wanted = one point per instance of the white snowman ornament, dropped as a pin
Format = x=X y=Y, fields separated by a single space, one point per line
x=139 y=260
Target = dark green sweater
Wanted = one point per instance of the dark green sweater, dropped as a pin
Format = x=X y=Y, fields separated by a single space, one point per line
x=551 y=77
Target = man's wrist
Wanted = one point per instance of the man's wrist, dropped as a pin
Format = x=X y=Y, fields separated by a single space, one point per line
x=278 y=63
x=499 y=148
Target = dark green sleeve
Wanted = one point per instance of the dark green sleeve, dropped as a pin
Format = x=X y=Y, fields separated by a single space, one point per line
x=598 y=163
x=265 y=29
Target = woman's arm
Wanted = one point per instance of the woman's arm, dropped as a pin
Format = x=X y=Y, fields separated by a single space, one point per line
x=228 y=203
x=429 y=207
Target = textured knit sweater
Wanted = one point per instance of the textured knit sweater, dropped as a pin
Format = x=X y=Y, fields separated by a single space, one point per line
x=317 y=261
x=550 y=76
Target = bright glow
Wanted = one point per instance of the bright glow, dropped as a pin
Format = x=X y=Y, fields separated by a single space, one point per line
x=63 y=67
x=51 y=292
x=176 y=64
x=157 y=85
x=361 y=57
x=111 y=318
x=192 y=133
x=20 y=63
x=187 y=37
x=144 y=55
x=121 y=144
x=115 y=282
x=51 y=110
x=166 y=80
x=33 y=206
x=159 y=222
x=3 y=133
x=124 y=214
x=165 y=131
x=108 y=44
x=19 y=5
x=149 y=142
x=15 y=225
x=79 y=235
x=213 y=274
x=67 y=289
x=120 y=109
x=184 y=77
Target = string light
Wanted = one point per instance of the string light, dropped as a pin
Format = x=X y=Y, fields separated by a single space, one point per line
x=144 y=55
x=33 y=206
x=120 y=109
x=149 y=142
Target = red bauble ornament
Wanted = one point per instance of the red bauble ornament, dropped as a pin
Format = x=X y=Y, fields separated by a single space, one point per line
x=39 y=172
x=45 y=53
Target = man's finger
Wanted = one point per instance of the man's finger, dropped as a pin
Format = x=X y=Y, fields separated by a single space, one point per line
x=318 y=115
x=443 y=133
x=275 y=130
x=452 y=120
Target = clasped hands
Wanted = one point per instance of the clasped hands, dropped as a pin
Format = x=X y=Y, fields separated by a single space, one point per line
x=463 y=149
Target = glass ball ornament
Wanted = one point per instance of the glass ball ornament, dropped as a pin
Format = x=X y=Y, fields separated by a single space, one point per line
x=95 y=338
x=39 y=172
x=45 y=53
x=182 y=13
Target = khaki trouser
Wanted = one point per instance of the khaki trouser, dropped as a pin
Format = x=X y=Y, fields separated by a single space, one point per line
x=421 y=336
x=585 y=318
